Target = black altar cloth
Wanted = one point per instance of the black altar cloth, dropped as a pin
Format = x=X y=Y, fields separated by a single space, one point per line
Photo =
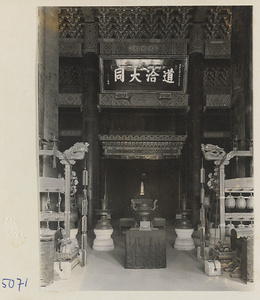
x=145 y=249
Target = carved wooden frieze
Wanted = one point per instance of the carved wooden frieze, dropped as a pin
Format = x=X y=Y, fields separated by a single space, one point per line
x=71 y=22
x=196 y=44
x=217 y=49
x=217 y=80
x=218 y=101
x=70 y=133
x=219 y=23
x=70 y=78
x=142 y=146
x=70 y=99
x=218 y=30
x=90 y=38
x=164 y=30
x=144 y=22
x=70 y=48
x=156 y=100
x=147 y=137
x=137 y=47
x=217 y=77
x=216 y=134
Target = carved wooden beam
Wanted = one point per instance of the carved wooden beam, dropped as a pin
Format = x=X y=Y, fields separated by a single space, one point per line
x=69 y=100
x=142 y=146
x=70 y=47
x=151 y=100
x=217 y=101
x=216 y=134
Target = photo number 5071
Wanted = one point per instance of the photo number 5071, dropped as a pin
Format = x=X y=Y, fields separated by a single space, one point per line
x=12 y=283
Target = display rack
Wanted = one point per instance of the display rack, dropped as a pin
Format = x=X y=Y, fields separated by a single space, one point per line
x=239 y=187
x=60 y=186
x=54 y=187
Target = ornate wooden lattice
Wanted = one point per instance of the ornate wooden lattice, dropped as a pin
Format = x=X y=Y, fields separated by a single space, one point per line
x=218 y=101
x=70 y=78
x=216 y=134
x=68 y=48
x=155 y=100
x=141 y=47
x=166 y=22
x=217 y=87
x=70 y=100
x=71 y=22
x=219 y=23
x=144 y=22
x=143 y=26
x=217 y=77
x=142 y=146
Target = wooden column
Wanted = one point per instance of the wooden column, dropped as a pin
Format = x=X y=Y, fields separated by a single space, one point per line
x=41 y=60
x=242 y=104
x=90 y=111
x=222 y=200
x=195 y=118
x=67 y=195
x=48 y=64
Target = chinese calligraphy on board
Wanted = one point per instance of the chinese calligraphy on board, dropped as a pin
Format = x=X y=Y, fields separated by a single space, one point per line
x=156 y=74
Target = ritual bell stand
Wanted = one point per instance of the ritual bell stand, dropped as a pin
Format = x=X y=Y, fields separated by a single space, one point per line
x=221 y=159
x=66 y=258
x=68 y=158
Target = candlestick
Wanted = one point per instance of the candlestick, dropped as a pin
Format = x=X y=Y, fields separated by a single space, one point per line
x=202 y=174
x=142 y=188
x=85 y=177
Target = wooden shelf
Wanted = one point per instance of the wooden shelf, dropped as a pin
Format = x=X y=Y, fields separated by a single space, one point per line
x=52 y=216
x=237 y=187
x=239 y=216
x=245 y=184
x=52 y=185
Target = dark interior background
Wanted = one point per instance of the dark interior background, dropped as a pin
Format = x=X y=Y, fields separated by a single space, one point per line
x=161 y=182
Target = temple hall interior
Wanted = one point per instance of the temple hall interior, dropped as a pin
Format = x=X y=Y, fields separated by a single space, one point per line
x=145 y=124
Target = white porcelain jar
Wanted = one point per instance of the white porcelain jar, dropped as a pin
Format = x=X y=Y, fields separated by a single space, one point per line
x=228 y=229
x=230 y=202
x=241 y=202
x=250 y=202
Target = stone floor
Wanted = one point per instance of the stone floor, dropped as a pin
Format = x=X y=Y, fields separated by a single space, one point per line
x=184 y=272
